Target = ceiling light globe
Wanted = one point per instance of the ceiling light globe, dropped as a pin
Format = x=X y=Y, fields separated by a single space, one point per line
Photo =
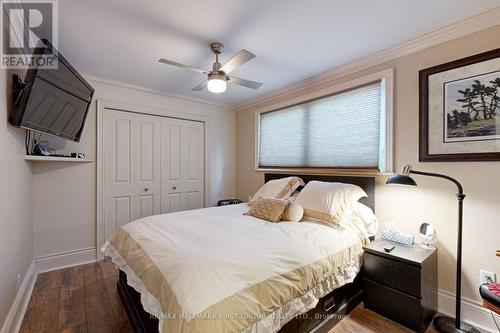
x=217 y=86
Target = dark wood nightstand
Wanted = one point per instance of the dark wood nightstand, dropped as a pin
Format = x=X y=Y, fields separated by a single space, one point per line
x=401 y=285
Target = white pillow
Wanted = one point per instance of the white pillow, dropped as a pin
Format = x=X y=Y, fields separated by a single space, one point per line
x=366 y=215
x=329 y=202
x=293 y=212
x=278 y=188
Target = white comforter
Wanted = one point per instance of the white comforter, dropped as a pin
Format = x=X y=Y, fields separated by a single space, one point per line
x=207 y=256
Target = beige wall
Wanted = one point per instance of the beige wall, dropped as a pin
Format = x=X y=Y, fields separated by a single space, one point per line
x=434 y=200
x=64 y=194
x=16 y=219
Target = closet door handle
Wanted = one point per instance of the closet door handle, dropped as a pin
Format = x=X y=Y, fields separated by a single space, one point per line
x=174 y=188
x=146 y=189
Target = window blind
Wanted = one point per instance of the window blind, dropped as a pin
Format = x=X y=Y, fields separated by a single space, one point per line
x=343 y=130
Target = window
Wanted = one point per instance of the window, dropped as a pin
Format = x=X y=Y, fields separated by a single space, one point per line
x=347 y=129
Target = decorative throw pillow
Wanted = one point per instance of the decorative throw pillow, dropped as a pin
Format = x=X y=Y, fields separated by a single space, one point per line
x=293 y=213
x=269 y=209
x=278 y=188
x=294 y=196
x=329 y=202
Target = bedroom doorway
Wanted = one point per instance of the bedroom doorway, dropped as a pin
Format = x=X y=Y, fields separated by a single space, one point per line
x=150 y=165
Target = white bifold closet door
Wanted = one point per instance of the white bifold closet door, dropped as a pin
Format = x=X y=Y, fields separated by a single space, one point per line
x=181 y=165
x=152 y=165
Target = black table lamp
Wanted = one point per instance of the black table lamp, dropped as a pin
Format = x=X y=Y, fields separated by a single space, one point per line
x=442 y=323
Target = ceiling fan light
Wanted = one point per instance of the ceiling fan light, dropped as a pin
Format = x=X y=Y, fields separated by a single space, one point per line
x=217 y=86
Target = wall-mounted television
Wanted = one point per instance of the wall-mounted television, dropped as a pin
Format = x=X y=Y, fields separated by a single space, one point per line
x=54 y=101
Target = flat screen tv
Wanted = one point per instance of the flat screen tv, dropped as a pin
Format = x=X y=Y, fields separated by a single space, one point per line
x=54 y=101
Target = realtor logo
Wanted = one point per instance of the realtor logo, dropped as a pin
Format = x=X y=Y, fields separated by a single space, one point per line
x=24 y=23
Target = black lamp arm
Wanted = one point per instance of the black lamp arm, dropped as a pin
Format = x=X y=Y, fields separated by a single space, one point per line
x=441 y=321
x=438 y=175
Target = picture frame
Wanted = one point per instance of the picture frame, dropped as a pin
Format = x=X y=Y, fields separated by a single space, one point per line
x=459 y=104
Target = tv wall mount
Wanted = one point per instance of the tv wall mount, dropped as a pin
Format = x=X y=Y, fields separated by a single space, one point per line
x=18 y=86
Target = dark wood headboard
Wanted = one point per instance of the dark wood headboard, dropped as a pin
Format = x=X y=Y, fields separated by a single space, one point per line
x=366 y=183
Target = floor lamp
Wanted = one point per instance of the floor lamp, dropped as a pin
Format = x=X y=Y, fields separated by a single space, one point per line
x=442 y=323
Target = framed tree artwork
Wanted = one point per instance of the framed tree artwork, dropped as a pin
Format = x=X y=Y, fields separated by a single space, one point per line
x=460 y=110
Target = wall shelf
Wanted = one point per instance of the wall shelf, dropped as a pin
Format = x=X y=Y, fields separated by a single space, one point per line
x=33 y=158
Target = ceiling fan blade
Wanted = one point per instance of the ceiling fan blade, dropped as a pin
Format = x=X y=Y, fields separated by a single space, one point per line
x=176 y=64
x=239 y=59
x=245 y=83
x=201 y=86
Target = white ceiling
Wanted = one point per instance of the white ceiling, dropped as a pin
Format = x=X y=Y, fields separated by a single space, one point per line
x=122 y=40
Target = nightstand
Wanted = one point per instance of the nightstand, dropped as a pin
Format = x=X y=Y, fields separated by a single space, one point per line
x=401 y=285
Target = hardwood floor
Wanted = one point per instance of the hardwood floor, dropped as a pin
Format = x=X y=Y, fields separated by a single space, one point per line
x=84 y=299
x=366 y=321
x=77 y=299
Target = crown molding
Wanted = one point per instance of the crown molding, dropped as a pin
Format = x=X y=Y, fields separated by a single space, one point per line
x=456 y=30
x=141 y=89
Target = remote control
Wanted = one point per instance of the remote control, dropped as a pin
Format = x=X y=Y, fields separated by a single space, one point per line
x=389 y=248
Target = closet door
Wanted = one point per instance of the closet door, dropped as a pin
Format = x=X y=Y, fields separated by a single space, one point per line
x=132 y=176
x=182 y=161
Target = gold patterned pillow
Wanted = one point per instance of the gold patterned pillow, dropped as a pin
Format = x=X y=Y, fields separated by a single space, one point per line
x=269 y=209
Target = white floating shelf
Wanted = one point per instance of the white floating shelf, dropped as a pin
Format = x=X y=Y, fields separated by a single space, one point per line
x=34 y=158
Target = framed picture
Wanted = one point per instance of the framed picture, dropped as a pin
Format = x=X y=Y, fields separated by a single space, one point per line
x=460 y=110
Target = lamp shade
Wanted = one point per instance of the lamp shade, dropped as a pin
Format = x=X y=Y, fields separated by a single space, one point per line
x=216 y=86
x=401 y=180
x=217 y=83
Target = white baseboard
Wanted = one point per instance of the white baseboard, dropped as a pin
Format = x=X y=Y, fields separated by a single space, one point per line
x=15 y=316
x=472 y=311
x=66 y=259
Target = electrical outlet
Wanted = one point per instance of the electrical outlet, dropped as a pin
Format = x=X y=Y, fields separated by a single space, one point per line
x=484 y=275
x=18 y=280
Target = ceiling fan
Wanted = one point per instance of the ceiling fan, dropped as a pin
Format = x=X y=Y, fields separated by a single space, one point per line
x=218 y=77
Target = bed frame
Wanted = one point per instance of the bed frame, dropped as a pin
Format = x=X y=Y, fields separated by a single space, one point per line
x=328 y=312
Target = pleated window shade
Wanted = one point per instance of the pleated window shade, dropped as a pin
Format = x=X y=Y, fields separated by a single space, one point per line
x=344 y=130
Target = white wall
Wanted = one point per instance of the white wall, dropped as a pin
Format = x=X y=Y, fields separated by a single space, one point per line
x=16 y=219
x=64 y=194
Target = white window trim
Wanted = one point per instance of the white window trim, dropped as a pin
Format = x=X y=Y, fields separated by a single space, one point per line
x=387 y=78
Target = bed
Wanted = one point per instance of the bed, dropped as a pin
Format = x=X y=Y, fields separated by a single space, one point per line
x=217 y=270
